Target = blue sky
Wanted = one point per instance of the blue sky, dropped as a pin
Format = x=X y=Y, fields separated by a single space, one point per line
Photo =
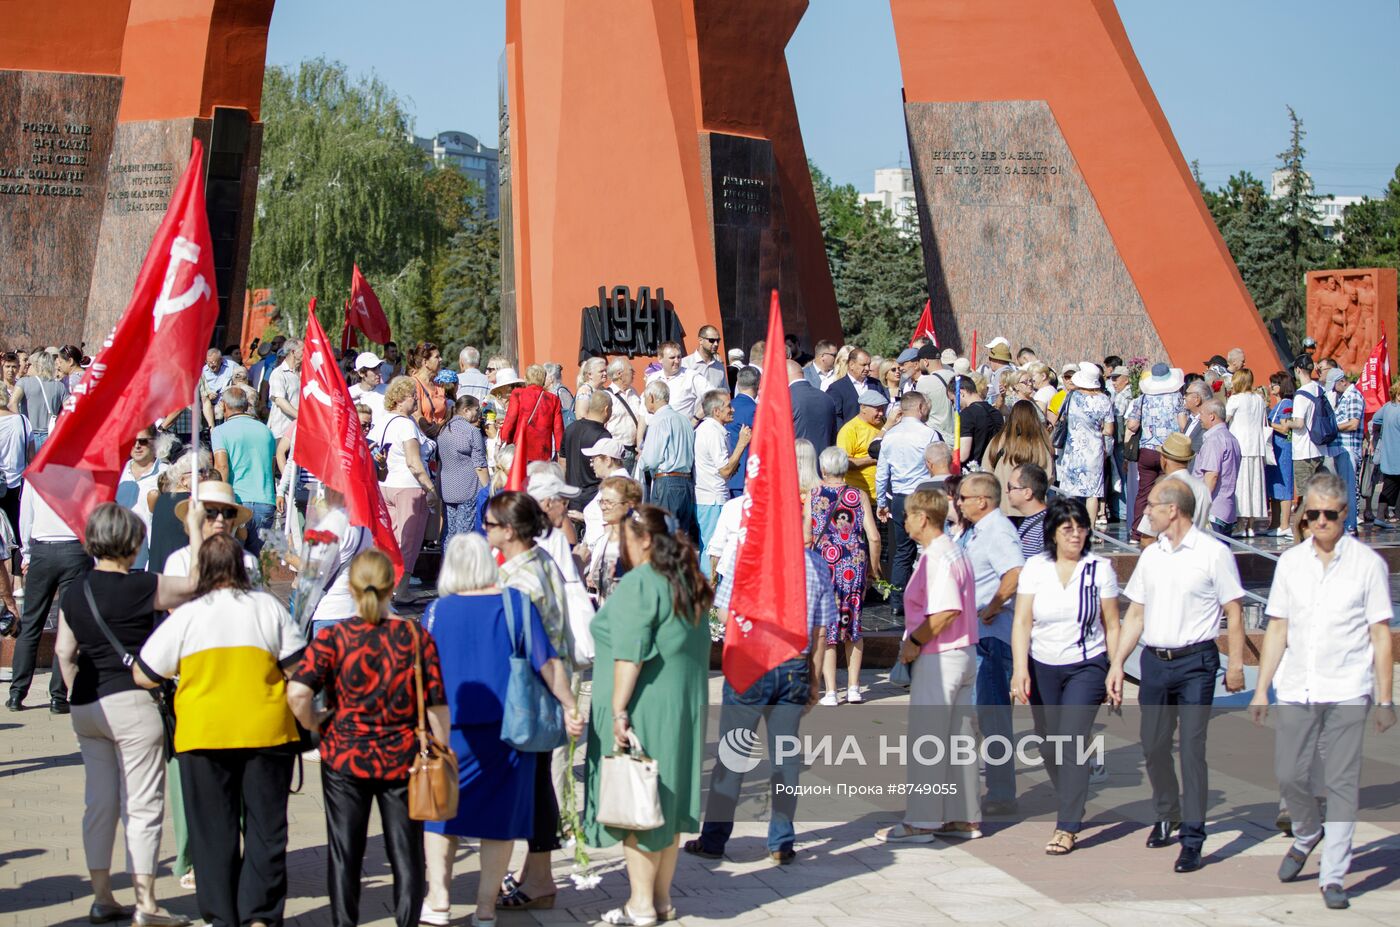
x=1223 y=70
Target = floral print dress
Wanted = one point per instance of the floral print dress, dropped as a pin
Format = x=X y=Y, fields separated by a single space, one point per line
x=1081 y=462
x=838 y=532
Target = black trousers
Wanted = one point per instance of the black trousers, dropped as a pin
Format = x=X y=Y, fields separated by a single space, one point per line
x=52 y=566
x=904 y=550
x=237 y=883
x=1065 y=699
x=1178 y=693
x=348 y=799
x=545 y=836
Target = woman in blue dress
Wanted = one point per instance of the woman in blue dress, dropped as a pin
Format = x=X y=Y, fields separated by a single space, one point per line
x=1278 y=476
x=1091 y=422
x=497 y=799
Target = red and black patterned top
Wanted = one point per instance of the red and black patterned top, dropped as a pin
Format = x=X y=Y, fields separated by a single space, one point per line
x=367 y=673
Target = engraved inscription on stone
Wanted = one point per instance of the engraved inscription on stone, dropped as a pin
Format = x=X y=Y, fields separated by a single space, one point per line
x=57 y=160
x=140 y=187
x=958 y=162
x=743 y=194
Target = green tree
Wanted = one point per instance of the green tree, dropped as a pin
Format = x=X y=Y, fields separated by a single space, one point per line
x=1370 y=232
x=878 y=272
x=467 y=277
x=1302 y=244
x=341 y=182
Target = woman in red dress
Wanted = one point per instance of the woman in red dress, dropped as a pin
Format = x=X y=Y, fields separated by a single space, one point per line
x=534 y=420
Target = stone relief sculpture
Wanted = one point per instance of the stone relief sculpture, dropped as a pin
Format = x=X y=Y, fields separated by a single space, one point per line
x=1343 y=316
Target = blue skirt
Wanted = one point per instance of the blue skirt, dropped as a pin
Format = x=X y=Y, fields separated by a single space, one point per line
x=497 y=800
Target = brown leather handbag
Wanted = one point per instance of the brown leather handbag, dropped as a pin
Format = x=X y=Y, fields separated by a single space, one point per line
x=432 y=779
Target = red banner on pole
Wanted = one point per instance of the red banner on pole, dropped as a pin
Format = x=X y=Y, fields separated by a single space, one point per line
x=329 y=443
x=1374 y=382
x=147 y=368
x=925 y=327
x=365 y=309
x=767 y=623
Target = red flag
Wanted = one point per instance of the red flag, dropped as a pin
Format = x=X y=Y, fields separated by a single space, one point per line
x=148 y=366
x=329 y=444
x=349 y=340
x=365 y=309
x=518 y=476
x=1375 y=378
x=767 y=623
x=925 y=327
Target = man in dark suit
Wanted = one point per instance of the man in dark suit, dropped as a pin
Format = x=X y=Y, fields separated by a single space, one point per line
x=744 y=405
x=846 y=391
x=813 y=412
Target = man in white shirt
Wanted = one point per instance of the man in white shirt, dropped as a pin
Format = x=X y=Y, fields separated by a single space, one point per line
x=898 y=472
x=685 y=386
x=821 y=371
x=606 y=459
x=223 y=514
x=52 y=557
x=1182 y=585
x=715 y=461
x=628 y=413
x=705 y=359
x=284 y=390
x=1307 y=456
x=370 y=388
x=137 y=479
x=1328 y=647
x=470 y=380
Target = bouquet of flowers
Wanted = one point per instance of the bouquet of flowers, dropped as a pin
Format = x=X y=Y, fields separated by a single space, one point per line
x=316 y=563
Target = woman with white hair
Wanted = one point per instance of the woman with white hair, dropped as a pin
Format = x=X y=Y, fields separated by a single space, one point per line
x=478 y=625
x=39 y=396
x=845 y=533
x=592 y=376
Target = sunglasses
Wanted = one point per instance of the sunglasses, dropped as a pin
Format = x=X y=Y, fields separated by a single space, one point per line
x=227 y=513
x=490 y=523
x=1329 y=514
x=711 y=340
x=366 y=426
x=143 y=442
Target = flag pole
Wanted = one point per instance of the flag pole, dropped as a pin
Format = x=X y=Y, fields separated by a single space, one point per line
x=195 y=412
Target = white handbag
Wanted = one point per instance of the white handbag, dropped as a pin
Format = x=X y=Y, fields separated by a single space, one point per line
x=629 y=791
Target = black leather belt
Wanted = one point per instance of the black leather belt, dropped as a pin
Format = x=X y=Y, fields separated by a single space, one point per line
x=680 y=473
x=1176 y=653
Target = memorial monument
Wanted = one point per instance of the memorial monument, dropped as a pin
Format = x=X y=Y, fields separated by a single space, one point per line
x=1054 y=205
x=1348 y=311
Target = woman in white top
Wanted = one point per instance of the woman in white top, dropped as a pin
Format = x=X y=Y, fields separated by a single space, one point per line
x=408 y=488
x=1247 y=414
x=39 y=397
x=16 y=445
x=1066 y=624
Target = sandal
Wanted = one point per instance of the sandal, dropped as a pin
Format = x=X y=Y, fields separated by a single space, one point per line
x=1061 y=843
x=696 y=848
x=667 y=914
x=187 y=880
x=620 y=917
x=517 y=900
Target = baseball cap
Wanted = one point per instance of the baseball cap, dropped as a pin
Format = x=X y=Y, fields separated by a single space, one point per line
x=928 y=352
x=544 y=486
x=367 y=360
x=1303 y=362
x=948 y=356
x=907 y=355
x=871 y=398
x=606 y=447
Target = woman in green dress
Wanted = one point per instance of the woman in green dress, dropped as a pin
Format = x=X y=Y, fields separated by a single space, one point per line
x=652 y=643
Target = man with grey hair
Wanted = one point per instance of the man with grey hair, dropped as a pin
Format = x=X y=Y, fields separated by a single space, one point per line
x=628 y=419
x=470 y=380
x=705 y=359
x=715 y=462
x=244 y=452
x=938 y=461
x=284 y=390
x=899 y=469
x=1218 y=465
x=1197 y=393
x=668 y=456
x=1326 y=650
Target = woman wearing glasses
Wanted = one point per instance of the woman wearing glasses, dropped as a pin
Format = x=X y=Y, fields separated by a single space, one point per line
x=1066 y=625
x=617 y=497
x=222 y=515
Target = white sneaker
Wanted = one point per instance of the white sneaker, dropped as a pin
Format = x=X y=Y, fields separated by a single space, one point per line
x=853 y=696
x=434 y=917
x=830 y=698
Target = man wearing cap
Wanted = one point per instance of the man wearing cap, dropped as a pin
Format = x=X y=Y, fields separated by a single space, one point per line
x=705 y=361
x=470 y=380
x=555 y=498
x=821 y=372
x=998 y=359
x=846 y=391
x=605 y=460
x=369 y=389
x=1218 y=465
x=584 y=433
x=856 y=437
x=668 y=455
x=932 y=384
x=909 y=371
x=1176 y=458
x=813 y=411
x=736 y=363
x=1216 y=372
x=284 y=390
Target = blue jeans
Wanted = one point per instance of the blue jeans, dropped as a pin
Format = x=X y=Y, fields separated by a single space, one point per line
x=264 y=515
x=994 y=711
x=1346 y=469
x=708 y=517
x=778 y=697
x=676 y=494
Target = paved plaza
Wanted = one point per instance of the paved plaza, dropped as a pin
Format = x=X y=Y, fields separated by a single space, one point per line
x=843 y=877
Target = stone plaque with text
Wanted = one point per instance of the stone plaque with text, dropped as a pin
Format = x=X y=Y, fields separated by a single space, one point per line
x=1014 y=244
x=56 y=134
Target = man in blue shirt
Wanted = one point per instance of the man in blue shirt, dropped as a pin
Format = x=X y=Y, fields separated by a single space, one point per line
x=780 y=696
x=994 y=548
x=898 y=472
x=244 y=452
x=668 y=456
x=744 y=405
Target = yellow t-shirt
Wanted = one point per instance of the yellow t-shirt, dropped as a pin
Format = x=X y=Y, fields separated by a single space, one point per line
x=855 y=438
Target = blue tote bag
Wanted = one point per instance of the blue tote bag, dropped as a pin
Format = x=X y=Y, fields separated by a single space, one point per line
x=533 y=720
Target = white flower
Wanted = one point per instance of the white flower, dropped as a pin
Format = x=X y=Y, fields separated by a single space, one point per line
x=584 y=881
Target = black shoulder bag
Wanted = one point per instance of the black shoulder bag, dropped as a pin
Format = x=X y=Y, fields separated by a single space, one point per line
x=164 y=694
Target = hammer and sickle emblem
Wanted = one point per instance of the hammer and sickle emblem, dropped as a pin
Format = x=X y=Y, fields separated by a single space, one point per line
x=182 y=251
x=313 y=387
x=360 y=308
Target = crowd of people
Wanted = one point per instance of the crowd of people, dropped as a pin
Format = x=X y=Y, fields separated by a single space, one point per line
x=966 y=491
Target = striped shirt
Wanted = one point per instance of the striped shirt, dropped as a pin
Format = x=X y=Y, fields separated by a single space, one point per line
x=1032 y=533
x=1350 y=405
